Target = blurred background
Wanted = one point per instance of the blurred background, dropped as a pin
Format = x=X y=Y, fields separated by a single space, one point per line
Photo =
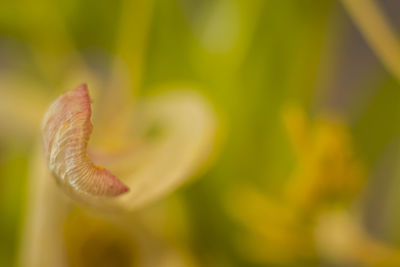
x=306 y=94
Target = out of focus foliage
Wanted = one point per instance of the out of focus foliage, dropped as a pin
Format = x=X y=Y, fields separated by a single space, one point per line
x=306 y=171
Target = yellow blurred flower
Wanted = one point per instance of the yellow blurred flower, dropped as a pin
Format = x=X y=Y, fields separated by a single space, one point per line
x=313 y=220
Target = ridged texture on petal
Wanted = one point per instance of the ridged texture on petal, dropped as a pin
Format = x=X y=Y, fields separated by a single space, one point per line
x=66 y=130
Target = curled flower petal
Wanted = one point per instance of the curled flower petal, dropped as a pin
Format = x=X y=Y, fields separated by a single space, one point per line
x=66 y=130
x=175 y=133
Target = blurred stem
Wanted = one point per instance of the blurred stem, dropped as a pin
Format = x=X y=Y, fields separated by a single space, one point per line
x=46 y=211
x=377 y=31
x=252 y=15
x=131 y=44
x=126 y=73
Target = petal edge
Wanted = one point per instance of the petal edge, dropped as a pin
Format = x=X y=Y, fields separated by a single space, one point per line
x=66 y=131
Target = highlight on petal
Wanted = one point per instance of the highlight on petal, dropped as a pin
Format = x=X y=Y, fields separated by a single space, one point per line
x=66 y=130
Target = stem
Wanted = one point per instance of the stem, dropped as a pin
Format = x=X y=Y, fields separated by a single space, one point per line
x=42 y=235
x=126 y=73
x=377 y=31
x=132 y=40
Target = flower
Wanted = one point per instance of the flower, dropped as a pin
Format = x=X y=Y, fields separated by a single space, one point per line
x=313 y=219
x=66 y=131
x=173 y=133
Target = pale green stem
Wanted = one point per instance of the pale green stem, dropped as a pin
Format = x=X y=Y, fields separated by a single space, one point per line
x=252 y=16
x=132 y=40
x=377 y=31
x=126 y=72
x=42 y=242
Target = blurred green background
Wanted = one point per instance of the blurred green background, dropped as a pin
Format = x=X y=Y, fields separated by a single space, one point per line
x=306 y=169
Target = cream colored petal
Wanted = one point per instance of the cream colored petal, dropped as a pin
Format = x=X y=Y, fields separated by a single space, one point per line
x=173 y=137
x=66 y=130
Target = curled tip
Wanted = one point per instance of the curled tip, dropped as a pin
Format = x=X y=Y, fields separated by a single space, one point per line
x=66 y=131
